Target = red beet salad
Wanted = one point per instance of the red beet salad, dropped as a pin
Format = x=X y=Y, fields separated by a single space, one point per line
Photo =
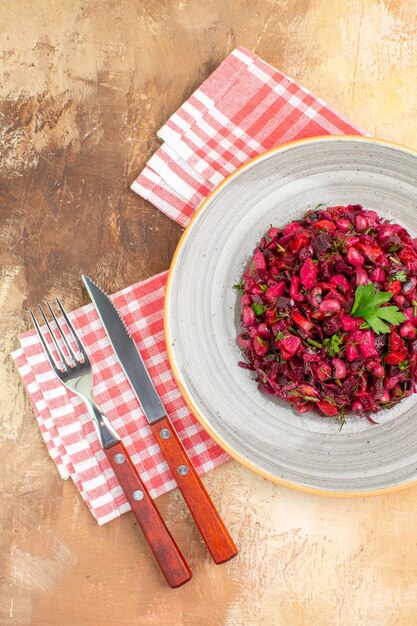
x=329 y=312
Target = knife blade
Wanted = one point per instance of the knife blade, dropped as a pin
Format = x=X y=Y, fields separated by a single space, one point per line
x=211 y=526
x=127 y=353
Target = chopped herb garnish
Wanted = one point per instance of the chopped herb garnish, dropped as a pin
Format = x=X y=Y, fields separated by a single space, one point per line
x=310 y=212
x=239 y=286
x=400 y=393
x=339 y=245
x=281 y=315
x=263 y=288
x=297 y=394
x=260 y=340
x=404 y=365
x=401 y=276
x=258 y=309
x=329 y=400
x=368 y=303
x=395 y=247
x=388 y=405
x=314 y=343
x=395 y=259
x=333 y=343
x=251 y=269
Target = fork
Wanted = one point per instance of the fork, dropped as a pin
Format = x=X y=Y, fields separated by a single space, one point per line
x=74 y=371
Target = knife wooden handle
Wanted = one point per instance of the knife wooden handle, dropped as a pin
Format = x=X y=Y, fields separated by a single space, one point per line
x=212 y=529
x=169 y=558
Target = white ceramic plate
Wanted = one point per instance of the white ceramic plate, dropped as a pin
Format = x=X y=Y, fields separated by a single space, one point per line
x=202 y=317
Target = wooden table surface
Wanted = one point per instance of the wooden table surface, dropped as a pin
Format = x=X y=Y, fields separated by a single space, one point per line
x=84 y=86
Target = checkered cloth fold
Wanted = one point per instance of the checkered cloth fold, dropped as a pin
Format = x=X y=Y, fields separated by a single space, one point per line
x=245 y=107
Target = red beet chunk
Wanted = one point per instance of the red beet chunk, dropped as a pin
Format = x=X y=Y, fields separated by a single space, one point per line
x=301 y=321
x=308 y=273
x=328 y=409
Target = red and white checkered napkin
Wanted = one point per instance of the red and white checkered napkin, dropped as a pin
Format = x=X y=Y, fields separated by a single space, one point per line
x=242 y=109
x=70 y=434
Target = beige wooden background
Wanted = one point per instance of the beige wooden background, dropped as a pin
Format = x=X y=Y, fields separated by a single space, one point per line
x=84 y=85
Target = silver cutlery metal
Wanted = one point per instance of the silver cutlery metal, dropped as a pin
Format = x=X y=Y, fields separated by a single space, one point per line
x=74 y=371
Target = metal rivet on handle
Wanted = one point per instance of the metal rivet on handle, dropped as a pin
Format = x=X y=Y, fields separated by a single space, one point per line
x=165 y=434
x=119 y=458
x=183 y=470
x=138 y=494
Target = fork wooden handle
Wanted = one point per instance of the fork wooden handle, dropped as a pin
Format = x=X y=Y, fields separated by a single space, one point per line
x=169 y=558
x=212 y=529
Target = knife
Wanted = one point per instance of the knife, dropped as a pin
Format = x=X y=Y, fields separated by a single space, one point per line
x=212 y=529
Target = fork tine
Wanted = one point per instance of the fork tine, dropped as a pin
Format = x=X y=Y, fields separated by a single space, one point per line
x=62 y=334
x=58 y=349
x=73 y=331
x=44 y=344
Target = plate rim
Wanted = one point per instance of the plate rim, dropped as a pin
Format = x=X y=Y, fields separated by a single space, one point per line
x=188 y=400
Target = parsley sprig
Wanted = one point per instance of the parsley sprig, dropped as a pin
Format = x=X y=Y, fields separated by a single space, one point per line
x=369 y=305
